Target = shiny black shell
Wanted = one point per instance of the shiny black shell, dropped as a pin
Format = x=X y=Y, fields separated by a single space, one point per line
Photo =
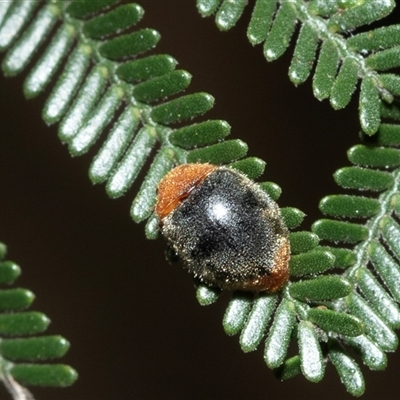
x=228 y=232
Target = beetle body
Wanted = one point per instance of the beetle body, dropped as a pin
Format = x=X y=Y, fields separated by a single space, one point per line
x=228 y=231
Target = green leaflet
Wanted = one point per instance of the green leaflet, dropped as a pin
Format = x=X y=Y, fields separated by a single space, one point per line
x=301 y=242
x=185 y=107
x=229 y=13
x=145 y=200
x=129 y=45
x=254 y=328
x=373 y=357
x=322 y=288
x=84 y=103
x=128 y=169
x=293 y=217
x=152 y=229
x=339 y=231
x=384 y=60
x=391 y=82
x=236 y=313
x=369 y=106
x=252 y=167
x=391 y=234
x=41 y=74
x=34 y=348
x=201 y=134
x=349 y=206
x=118 y=19
x=311 y=358
x=95 y=122
x=289 y=369
x=333 y=321
x=225 y=152
x=26 y=323
x=9 y=271
x=279 y=335
x=114 y=147
x=207 y=7
x=281 y=32
x=388 y=135
x=376 y=328
x=345 y=84
x=14 y=299
x=386 y=267
x=304 y=55
x=82 y=9
x=261 y=20
x=67 y=85
x=343 y=257
x=206 y=296
x=18 y=16
x=391 y=111
x=326 y=70
x=310 y=263
x=273 y=190
x=378 y=297
x=58 y=375
x=361 y=14
x=323 y=8
x=21 y=53
x=4 y=7
x=363 y=179
x=146 y=68
x=374 y=156
x=381 y=38
x=348 y=370
x=163 y=86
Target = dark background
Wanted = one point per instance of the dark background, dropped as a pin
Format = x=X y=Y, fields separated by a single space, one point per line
x=136 y=329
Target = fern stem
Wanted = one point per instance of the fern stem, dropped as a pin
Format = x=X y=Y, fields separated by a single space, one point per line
x=373 y=226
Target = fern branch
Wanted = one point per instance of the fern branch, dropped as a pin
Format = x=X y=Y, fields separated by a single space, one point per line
x=108 y=79
x=342 y=61
x=15 y=352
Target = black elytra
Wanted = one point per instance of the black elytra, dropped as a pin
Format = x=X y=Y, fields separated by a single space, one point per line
x=230 y=234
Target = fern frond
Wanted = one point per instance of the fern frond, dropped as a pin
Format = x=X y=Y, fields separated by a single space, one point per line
x=100 y=88
x=305 y=311
x=108 y=84
x=375 y=273
x=340 y=61
x=19 y=354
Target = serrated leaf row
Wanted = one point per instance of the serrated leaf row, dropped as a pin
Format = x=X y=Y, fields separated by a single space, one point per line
x=20 y=347
x=323 y=47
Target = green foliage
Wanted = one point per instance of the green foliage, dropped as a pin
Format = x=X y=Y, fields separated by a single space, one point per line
x=19 y=354
x=313 y=366
x=328 y=287
x=340 y=61
x=365 y=311
x=108 y=89
x=348 y=370
x=376 y=271
x=333 y=321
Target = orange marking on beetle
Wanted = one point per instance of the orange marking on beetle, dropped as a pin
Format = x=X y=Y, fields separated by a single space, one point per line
x=178 y=184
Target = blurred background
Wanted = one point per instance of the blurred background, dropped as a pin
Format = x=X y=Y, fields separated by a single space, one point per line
x=135 y=327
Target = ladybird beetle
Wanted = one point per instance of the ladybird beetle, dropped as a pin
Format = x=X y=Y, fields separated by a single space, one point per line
x=226 y=229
